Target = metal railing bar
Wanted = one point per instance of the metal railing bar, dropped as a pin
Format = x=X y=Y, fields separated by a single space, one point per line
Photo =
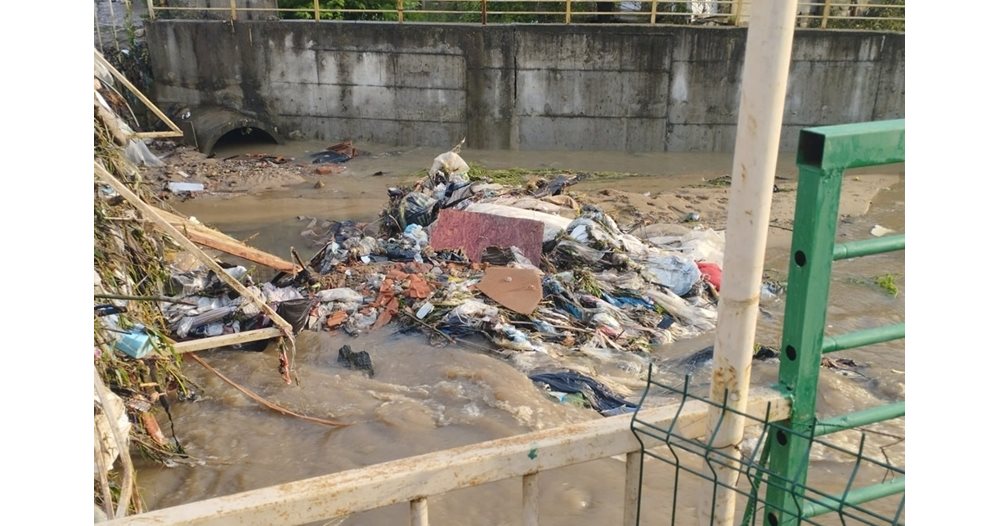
x=654 y=12
x=868 y=247
x=854 y=497
x=851 y=340
x=864 y=417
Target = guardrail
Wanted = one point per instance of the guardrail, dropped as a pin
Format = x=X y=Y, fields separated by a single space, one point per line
x=885 y=15
x=414 y=479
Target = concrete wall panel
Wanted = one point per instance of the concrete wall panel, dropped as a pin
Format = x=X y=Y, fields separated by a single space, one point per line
x=636 y=88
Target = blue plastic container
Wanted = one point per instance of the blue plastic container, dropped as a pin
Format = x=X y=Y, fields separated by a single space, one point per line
x=135 y=343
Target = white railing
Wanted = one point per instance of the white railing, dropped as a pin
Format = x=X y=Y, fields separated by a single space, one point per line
x=414 y=479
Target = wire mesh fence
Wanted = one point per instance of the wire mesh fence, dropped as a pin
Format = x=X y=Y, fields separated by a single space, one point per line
x=849 y=485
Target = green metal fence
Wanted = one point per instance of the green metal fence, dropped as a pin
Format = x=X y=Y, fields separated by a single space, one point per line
x=776 y=463
x=823 y=156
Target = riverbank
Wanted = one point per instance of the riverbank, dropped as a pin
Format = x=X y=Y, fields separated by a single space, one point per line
x=426 y=397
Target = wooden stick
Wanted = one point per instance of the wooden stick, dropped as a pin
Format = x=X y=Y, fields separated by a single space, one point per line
x=142 y=298
x=153 y=428
x=211 y=238
x=157 y=135
x=262 y=401
x=226 y=339
x=298 y=260
x=135 y=91
x=148 y=212
x=110 y=123
x=435 y=329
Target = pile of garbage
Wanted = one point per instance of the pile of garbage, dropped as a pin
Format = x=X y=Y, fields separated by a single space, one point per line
x=528 y=268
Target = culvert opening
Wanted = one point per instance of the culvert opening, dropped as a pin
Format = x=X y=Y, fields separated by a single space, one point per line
x=242 y=140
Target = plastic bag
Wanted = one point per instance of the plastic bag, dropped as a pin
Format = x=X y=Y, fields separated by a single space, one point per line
x=704 y=245
x=342 y=295
x=449 y=163
x=418 y=209
x=677 y=273
x=137 y=152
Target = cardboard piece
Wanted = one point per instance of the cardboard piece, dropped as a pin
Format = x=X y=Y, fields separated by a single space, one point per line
x=518 y=289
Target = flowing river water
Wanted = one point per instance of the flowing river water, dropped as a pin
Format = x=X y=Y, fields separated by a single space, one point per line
x=426 y=398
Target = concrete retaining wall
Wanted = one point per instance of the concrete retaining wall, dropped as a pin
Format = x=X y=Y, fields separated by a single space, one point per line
x=635 y=88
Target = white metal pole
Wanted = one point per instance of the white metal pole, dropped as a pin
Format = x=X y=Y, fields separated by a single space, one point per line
x=762 y=97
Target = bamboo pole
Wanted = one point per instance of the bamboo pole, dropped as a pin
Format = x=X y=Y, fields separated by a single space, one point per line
x=399 y=11
x=114 y=27
x=232 y=10
x=316 y=10
x=826 y=14
x=569 y=11
x=97 y=27
x=765 y=78
x=652 y=13
x=152 y=9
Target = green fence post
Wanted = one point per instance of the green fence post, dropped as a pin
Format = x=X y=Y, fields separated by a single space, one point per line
x=823 y=156
x=816 y=209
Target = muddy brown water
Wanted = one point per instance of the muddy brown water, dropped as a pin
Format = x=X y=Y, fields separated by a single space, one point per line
x=425 y=398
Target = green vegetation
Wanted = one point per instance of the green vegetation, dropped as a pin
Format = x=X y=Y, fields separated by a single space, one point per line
x=873 y=12
x=888 y=283
x=519 y=176
x=389 y=6
x=508 y=176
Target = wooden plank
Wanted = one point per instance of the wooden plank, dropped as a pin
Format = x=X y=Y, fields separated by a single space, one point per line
x=211 y=238
x=529 y=500
x=226 y=339
x=158 y=135
x=633 y=480
x=148 y=212
x=418 y=512
x=135 y=91
x=416 y=477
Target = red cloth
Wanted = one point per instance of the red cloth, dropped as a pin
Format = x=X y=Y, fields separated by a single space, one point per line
x=712 y=273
